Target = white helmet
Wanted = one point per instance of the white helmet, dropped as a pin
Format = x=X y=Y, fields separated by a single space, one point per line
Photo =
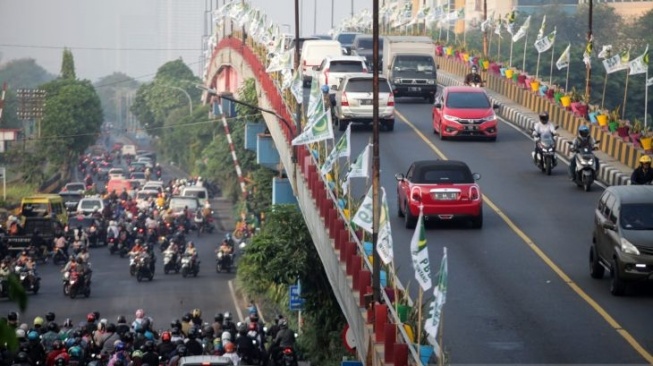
x=226 y=337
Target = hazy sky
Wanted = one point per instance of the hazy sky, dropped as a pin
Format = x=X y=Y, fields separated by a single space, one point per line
x=133 y=36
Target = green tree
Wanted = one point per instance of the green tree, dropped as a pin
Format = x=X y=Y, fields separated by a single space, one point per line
x=19 y=74
x=111 y=90
x=68 y=65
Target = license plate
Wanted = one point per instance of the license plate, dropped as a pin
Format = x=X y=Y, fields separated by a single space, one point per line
x=366 y=102
x=414 y=88
x=471 y=127
x=446 y=196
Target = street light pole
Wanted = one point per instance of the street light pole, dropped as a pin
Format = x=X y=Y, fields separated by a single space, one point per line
x=190 y=100
x=376 y=204
x=485 y=44
x=588 y=67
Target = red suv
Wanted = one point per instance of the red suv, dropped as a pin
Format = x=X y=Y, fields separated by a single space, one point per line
x=445 y=189
x=464 y=111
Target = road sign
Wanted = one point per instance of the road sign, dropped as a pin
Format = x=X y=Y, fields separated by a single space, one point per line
x=296 y=302
x=348 y=339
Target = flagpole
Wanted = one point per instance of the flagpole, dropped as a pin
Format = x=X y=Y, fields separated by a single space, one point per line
x=605 y=84
x=567 y=79
x=419 y=314
x=537 y=68
x=623 y=110
x=646 y=101
x=510 y=61
x=499 y=48
x=553 y=51
x=441 y=355
x=523 y=65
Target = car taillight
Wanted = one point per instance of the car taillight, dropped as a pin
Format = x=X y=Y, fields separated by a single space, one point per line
x=343 y=100
x=474 y=194
x=365 y=70
x=326 y=77
x=416 y=195
x=391 y=100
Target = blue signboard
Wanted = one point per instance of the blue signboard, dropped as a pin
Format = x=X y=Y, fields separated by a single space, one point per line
x=296 y=302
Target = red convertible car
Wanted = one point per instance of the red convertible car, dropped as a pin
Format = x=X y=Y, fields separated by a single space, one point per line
x=445 y=189
x=464 y=111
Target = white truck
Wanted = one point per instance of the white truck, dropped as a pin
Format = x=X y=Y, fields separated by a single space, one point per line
x=409 y=65
x=128 y=150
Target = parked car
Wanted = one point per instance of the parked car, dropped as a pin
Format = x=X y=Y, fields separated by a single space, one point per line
x=353 y=102
x=464 y=111
x=445 y=189
x=622 y=241
x=334 y=68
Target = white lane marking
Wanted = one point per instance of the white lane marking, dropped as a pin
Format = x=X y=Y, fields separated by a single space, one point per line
x=235 y=300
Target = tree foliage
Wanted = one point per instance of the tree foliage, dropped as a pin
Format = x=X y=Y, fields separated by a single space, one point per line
x=280 y=255
x=68 y=66
x=112 y=90
x=19 y=74
x=608 y=29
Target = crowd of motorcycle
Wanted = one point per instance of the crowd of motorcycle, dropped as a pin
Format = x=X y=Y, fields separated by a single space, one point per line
x=99 y=342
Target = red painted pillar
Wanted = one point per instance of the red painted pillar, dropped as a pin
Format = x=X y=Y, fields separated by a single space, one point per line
x=353 y=267
x=364 y=280
x=344 y=251
x=401 y=354
x=344 y=236
x=389 y=341
x=380 y=318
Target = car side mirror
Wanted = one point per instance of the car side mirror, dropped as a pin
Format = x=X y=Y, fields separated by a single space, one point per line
x=400 y=177
x=609 y=226
x=437 y=105
x=496 y=106
x=476 y=176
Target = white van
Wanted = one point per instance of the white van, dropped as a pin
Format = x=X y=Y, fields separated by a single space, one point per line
x=313 y=52
x=128 y=150
x=201 y=193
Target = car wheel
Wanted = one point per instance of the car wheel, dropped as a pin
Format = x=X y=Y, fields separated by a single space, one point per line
x=442 y=138
x=400 y=213
x=342 y=125
x=617 y=284
x=409 y=220
x=477 y=222
x=596 y=269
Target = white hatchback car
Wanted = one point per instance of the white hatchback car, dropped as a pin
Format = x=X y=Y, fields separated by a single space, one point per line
x=335 y=68
x=353 y=102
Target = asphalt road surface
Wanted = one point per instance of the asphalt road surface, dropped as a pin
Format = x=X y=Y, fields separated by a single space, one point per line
x=519 y=289
x=114 y=292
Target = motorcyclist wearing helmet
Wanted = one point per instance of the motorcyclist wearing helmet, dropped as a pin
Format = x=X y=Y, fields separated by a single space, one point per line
x=582 y=140
x=230 y=352
x=180 y=352
x=36 y=351
x=193 y=344
x=643 y=173
x=542 y=127
x=150 y=354
x=196 y=317
x=473 y=77
x=166 y=347
x=285 y=338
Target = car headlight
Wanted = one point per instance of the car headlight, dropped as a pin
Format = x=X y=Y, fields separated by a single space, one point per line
x=397 y=81
x=628 y=247
x=431 y=82
x=451 y=118
x=491 y=117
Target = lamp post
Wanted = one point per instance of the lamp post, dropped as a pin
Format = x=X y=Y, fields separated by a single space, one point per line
x=376 y=204
x=588 y=77
x=190 y=100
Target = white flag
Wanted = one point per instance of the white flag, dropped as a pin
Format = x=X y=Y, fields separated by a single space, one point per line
x=605 y=51
x=617 y=62
x=649 y=82
x=319 y=130
x=384 y=245
x=640 y=64
x=340 y=150
x=281 y=61
x=297 y=87
x=545 y=43
x=439 y=298
x=540 y=33
x=522 y=30
x=315 y=99
x=420 y=254
x=359 y=169
x=564 y=59
x=363 y=217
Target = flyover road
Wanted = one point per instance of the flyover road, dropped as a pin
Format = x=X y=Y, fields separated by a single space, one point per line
x=519 y=289
x=114 y=292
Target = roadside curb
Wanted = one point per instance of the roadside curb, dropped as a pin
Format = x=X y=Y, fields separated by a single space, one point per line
x=519 y=117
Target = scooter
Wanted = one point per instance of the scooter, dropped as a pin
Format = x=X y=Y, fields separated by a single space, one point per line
x=544 y=156
x=585 y=173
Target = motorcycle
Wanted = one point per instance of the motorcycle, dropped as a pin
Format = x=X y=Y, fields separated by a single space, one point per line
x=92 y=236
x=171 y=262
x=189 y=266
x=585 y=173
x=28 y=279
x=286 y=357
x=74 y=285
x=223 y=262
x=143 y=269
x=544 y=156
x=111 y=243
x=198 y=220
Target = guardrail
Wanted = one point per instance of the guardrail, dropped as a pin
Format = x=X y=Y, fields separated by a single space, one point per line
x=347 y=249
x=611 y=144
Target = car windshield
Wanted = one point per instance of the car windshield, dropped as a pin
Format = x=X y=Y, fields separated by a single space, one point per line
x=464 y=100
x=201 y=194
x=346 y=66
x=138 y=175
x=365 y=86
x=420 y=64
x=75 y=187
x=90 y=204
x=366 y=43
x=636 y=216
x=84 y=223
x=346 y=38
x=444 y=175
x=34 y=209
x=178 y=203
x=143 y=195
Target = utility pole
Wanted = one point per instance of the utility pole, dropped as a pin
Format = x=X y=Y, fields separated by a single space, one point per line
x=485 y=43
x=298 y=111
x=588 y=77
x=376 y=185
x=332 y=8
